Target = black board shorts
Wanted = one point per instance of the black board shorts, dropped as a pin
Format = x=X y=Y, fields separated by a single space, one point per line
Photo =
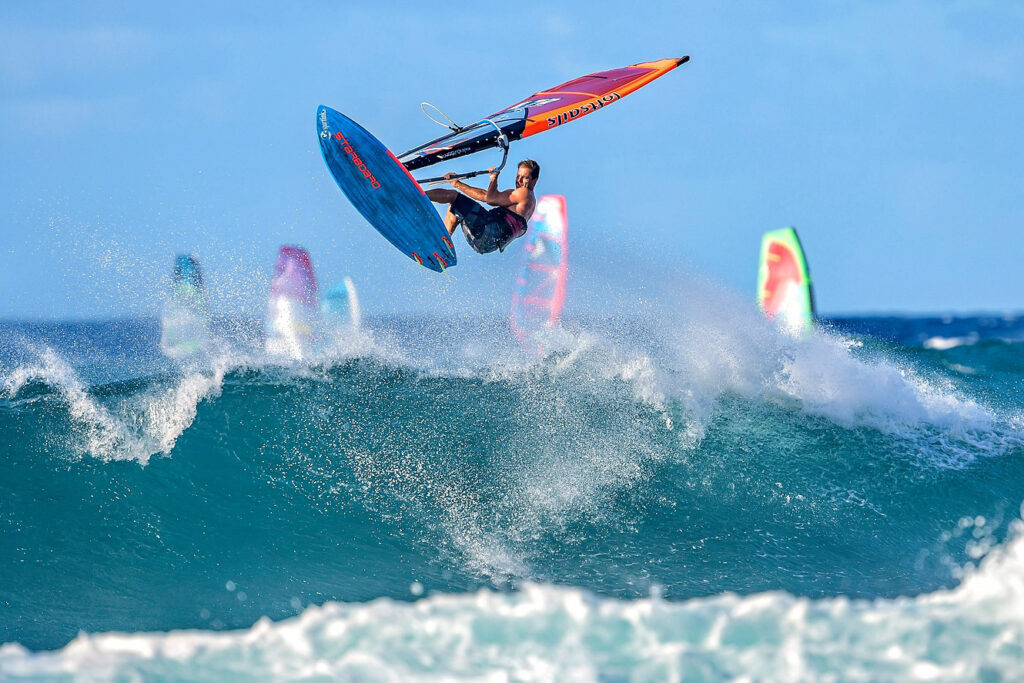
x=487 y=230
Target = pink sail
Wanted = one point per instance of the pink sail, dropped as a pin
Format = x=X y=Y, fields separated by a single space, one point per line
x=540 y=287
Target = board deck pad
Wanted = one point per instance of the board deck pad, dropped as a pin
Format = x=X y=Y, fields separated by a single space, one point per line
x=383 y=191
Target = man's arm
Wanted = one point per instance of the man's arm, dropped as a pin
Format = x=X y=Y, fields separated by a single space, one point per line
x=489 y=196
x=493 y=196
x=470 y=191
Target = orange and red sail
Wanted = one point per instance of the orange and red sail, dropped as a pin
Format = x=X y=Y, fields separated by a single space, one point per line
x=541 y=111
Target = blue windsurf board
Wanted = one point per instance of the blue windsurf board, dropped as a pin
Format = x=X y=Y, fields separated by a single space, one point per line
x=383 y=191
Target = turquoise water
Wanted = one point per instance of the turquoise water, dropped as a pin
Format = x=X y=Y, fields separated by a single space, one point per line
x=692 y=496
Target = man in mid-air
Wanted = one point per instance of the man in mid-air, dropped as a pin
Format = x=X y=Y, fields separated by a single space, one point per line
x=495 y=229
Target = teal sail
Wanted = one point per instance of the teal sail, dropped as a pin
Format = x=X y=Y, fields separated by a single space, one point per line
x=340 y=306
x=185 y=319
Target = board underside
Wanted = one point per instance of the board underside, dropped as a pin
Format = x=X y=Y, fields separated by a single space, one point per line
x=382 y=190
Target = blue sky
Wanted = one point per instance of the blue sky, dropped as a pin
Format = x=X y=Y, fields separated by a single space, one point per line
x=888 y=133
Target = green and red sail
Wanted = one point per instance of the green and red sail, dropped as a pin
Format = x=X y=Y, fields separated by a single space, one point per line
x=784 y=281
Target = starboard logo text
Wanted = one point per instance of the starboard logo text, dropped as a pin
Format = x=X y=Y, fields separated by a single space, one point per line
x=356 y=161
x=451 y=154
x=576 y=112
x=325 y=131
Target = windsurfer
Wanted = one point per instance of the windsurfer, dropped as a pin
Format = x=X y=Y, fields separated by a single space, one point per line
x=495 y=229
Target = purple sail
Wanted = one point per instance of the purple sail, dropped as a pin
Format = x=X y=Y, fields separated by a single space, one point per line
x=293 y=275
x=293 y=312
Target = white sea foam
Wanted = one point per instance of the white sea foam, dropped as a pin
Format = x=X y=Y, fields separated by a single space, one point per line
x=105 y=435
x=720 y=346
x=169 y=412
x=946 y=343
x=974 y=631
x=136 y=429
x=712 y=344
x=735 y=351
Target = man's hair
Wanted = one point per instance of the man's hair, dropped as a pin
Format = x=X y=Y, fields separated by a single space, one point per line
x=533 y=166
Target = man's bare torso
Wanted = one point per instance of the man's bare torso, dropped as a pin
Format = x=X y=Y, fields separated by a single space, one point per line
x=525 y=208
x=522 y=195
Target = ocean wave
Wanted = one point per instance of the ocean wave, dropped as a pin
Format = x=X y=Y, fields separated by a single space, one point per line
x=544 y=632
x=696 y=453
x=680 y=366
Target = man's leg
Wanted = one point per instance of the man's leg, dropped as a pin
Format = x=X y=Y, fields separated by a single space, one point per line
x=440 y=196
x=451 y=221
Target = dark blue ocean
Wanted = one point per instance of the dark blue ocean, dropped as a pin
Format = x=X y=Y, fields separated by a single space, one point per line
x=696 y=495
